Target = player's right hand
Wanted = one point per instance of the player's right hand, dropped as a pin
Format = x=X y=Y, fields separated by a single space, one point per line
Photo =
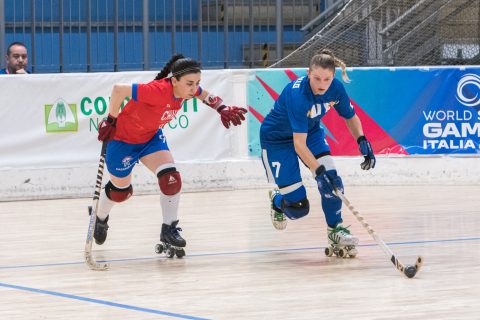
x=107 y=128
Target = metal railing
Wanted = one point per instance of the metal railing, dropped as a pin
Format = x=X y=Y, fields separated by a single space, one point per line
x=117 y=35
x=395 y=33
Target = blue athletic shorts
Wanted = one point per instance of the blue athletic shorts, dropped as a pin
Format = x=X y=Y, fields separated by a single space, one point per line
x=121 y=156
x=281 y=162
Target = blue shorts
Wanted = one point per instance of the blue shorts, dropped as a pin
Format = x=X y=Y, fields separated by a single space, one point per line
x=281 y=162
x=121 y=156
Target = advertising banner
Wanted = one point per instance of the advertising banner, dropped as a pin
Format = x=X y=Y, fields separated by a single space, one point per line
x=403 y=110
x=51 y=120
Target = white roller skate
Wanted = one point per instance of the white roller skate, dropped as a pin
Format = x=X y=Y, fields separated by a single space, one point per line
x=171 y=242
x=279 y=220
x=341 y=242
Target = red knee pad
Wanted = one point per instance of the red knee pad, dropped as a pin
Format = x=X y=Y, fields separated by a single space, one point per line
x=169 y=181
x=117 y=194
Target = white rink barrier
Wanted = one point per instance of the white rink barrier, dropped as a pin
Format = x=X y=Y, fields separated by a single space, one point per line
x=26 y=184
x=43 y=157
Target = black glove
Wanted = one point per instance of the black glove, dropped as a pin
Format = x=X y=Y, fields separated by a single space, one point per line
x=367 y=151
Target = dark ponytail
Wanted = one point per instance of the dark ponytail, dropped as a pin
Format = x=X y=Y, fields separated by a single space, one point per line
x=168 y=67
x=179 y=66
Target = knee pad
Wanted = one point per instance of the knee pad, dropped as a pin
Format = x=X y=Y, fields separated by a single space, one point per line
x=116 y=194
x=169 y=181
x=295 y=209
x=294 y=202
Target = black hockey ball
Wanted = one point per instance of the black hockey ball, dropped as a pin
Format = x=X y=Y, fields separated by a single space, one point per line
x=410 y=271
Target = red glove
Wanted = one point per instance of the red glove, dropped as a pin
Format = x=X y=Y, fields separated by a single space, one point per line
x=231 y=115
x=107 y=128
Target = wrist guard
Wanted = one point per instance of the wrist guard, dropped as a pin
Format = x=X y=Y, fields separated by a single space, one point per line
x=213 y=102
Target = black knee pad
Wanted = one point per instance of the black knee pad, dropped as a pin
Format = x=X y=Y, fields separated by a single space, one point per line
x=295 y=210
x=170 y=181
x=116 y=194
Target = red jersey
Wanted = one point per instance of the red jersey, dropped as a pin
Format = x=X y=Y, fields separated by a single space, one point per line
x=153 y=105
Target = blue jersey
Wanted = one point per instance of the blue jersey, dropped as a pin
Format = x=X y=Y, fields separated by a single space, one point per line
x=298 y=110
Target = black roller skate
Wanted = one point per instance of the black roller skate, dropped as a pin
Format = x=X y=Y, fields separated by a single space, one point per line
x=171 y=242
x=341 y=242
x=100 y=233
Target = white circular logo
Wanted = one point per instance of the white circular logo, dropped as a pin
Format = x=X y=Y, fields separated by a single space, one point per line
x=469 y=79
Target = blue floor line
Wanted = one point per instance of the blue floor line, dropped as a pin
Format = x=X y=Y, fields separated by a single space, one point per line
x=236 y=252
x=97 y=301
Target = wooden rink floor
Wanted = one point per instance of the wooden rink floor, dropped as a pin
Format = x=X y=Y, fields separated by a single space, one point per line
x=238 y=266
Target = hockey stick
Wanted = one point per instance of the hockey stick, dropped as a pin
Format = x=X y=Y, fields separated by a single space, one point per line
x=408 y=270
x=89 y=259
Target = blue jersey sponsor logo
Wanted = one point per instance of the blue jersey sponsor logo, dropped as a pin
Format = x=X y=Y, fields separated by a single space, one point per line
x=320 y=109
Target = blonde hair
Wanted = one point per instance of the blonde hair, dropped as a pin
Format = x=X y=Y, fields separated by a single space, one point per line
x=327 y=60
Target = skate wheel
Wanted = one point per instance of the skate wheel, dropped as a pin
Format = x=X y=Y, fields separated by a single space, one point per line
x=328 y=251
x=353 y=253
x=158 y=248
x=342 y=253
x=180 y=253
x=170 y=252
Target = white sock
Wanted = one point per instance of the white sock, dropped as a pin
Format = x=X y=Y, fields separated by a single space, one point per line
x=169 y=207
x=104 y=206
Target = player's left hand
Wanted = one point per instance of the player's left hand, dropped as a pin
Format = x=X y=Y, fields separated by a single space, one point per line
x=328 y=181
x=367 y=151
x=231 y=115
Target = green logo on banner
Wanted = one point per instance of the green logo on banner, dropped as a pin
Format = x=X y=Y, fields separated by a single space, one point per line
x=61 y=116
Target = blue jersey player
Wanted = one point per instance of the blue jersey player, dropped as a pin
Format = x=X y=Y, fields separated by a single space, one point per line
x=292 y=130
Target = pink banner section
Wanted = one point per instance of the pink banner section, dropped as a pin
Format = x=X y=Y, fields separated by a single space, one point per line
x=342 y=143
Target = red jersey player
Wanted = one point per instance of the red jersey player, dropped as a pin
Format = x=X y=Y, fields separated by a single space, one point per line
x=135 y=134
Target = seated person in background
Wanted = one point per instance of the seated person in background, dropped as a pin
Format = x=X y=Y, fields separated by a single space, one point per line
x=17 y=59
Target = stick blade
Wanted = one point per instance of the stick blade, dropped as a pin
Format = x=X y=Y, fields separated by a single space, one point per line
x=94 y=265
x=418 y=263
